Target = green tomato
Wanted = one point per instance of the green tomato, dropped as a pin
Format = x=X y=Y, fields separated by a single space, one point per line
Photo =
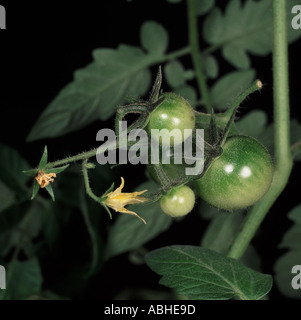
x=178 y=202
x=239 y=177
x=174 y=112
x=174 y=172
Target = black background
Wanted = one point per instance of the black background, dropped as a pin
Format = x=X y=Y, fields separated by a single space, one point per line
x=45 y=42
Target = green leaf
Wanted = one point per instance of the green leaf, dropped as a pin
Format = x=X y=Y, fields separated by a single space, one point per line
x=24 y=279
x=50 y=191
x=95 y=91
x=44 y=159
x=206 y=275
x=11 y=166
x=247 y=125
x=7 y=196
x=244 y=29
x=204 y=6
x=154 y=38
x=229 y=87
x=283 y=266
x=221 y=231
x=129 y=232
x=210 y=66
x=175 y=74
x=19 y=225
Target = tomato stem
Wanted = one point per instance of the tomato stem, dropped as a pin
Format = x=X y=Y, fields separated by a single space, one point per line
x=89 y=191
x=196 y=54
x=283 y=158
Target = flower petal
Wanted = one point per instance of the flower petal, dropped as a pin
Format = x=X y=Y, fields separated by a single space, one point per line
x=124 y=210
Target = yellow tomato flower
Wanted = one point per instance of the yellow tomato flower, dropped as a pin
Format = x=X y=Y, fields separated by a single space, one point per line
x=118 y=200
x=44 y=178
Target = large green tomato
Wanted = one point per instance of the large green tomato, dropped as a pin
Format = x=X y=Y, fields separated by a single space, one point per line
x=174 y=112
x=178 y=202
x=239 y=177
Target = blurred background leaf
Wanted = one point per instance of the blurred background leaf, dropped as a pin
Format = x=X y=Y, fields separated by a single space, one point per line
x=283 y=266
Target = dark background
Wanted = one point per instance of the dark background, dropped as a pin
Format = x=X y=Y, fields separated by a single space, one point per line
x=43 y=45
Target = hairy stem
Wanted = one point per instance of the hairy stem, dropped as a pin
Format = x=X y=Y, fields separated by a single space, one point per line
x=195 y=53
x=283 y=158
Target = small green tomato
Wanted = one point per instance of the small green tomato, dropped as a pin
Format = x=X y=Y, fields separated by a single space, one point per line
x=239 y=177
x=173 y=113
x=178 y=202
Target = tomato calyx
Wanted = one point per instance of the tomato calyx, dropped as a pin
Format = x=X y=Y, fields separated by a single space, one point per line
x=141 y=107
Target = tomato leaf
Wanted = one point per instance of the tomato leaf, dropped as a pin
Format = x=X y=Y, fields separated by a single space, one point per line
x=221 y=231
x=24 y=279
x=11 y=166
x=95 y=91
x=204 y=6
x=210 y=66
x=129 y=232
x=246 y=124
x=202 y=274
x=153 y=37
x=228 y=87
x=175 y=74
x=244 y=29
x=283 y=266
x=7 y=196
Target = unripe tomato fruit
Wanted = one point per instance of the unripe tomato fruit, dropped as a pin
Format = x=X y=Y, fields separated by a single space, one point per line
x=172 y=171
x=239 y=177
x=178 y=202
x=174 y=112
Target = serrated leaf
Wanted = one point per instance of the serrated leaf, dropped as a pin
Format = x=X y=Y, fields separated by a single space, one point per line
x=245 y=29
x=202 y=274
x=24 y=279
x=95 y=91
x=229 y=87
x=175 y=74
x=283 y=266
x=129 y=233
x=204 y=6
x=7 y=196
x=44 y=159
x=154 y=37
x=246 y=124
